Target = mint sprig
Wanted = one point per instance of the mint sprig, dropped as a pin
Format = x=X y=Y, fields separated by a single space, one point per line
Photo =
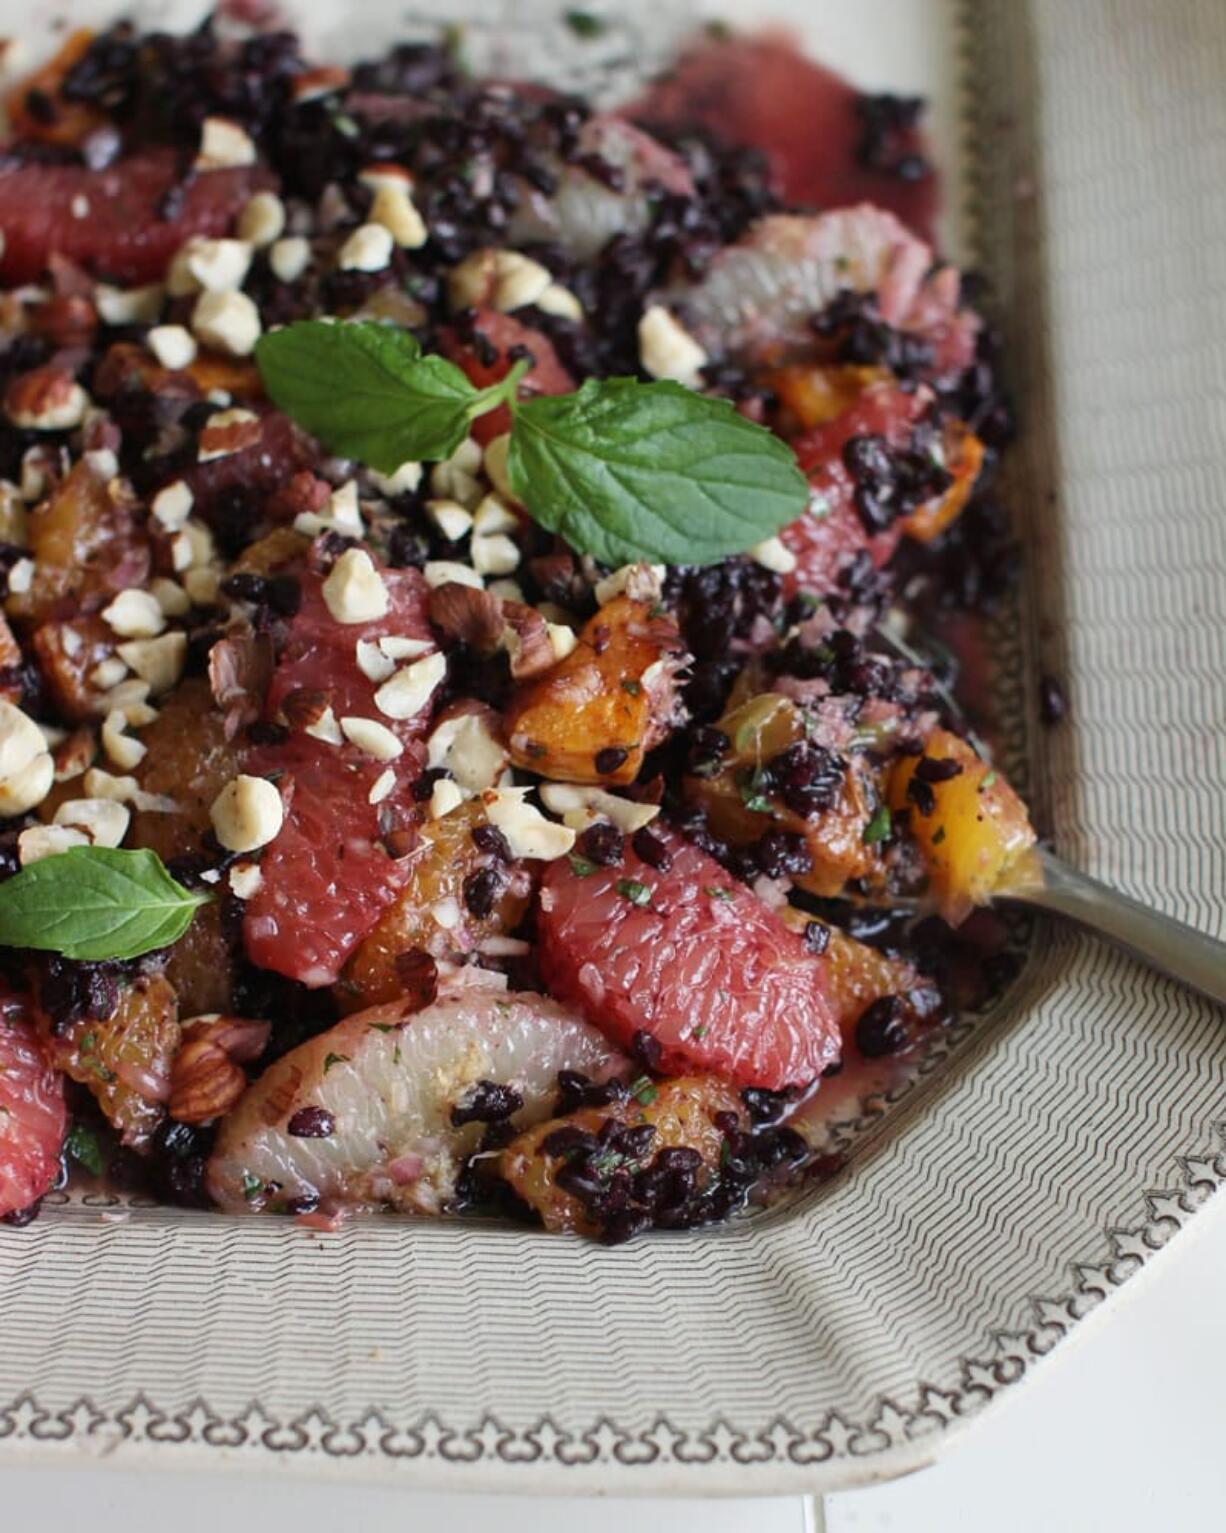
x=622 y=470
x=367 y=391
x=93 y=903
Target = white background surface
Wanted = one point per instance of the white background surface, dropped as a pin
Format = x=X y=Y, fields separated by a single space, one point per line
x=1125 y=1431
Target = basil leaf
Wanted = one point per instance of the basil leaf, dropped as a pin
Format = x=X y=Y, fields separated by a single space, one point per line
x=95 y=902
x=629 y=471
x=366 y=391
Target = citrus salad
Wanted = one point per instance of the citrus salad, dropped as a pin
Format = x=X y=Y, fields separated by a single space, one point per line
x=472 y=733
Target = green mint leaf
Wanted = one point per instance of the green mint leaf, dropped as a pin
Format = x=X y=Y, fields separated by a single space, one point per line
x=585 y=24
x=366 y=391
x=630 y=471
x=634 y=891
x=582 y=867
x=94 y=902
x=879 y=827
x=82 y=1145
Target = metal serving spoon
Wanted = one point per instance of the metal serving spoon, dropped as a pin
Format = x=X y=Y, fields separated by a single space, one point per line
x=1045 y=883
x=1170 y=946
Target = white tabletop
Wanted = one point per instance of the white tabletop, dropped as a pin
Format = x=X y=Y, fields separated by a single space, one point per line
x=1124 y=1431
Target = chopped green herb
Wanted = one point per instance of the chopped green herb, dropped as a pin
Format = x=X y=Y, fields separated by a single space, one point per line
x=637 y=893
x=252 y=1186
x=759 y=805
x=581 y=867
x=988 y=781
x=644 y=1090
x=383 y=1027
x=82 y=1144
x=938 y=835
x=879 y=827
x=700 y=1031
x=585 y=24
x=397 y=1056
x=634 y=688
x=335 y=1059
x=717 y=892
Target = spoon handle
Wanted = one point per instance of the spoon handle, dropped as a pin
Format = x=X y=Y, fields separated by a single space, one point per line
x=1162 y=942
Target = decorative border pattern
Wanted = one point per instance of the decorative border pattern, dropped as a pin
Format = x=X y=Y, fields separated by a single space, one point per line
x=316 y=1433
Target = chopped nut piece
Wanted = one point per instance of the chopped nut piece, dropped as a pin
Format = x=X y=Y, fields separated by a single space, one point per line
x=526 y=640
x=495 y=554
x=230 y=322
x=108 y=673
x=641 y=582
x=174 y=346
x=396 y=647
x=203 y=586
x=394 y=208
x=21 y=577
x=245 y=880
x=27 y=785
x=409 y=691
x=135 y=614
x=466 y=746
x=74 y=755
x=219 y=266
x=494 y=515
x=560 y=302
x=498 y=279
x=773 y=554
x=173 y=505
x=160 y=661
x=206 y=1078
x=224 y=145
x=129 y=306
x=262 y=220
x=119 y=746
x=371 y=737
x=444 y=797
x=46 y=399
x=528 y=832
x=368 y=248
x=441 y=572
x=581 y=807
x=403 y=482
x=289 y=258
x=39 y=841
x=451 y=518
x=325 y=727
x=384 y=784
x=21 y=741
x=354 y=590
x=170 y=596
x=668 y=350
x=247 y=813
x=562 y=639
x=103 y=820
x=373 y=663
x=227 y=432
